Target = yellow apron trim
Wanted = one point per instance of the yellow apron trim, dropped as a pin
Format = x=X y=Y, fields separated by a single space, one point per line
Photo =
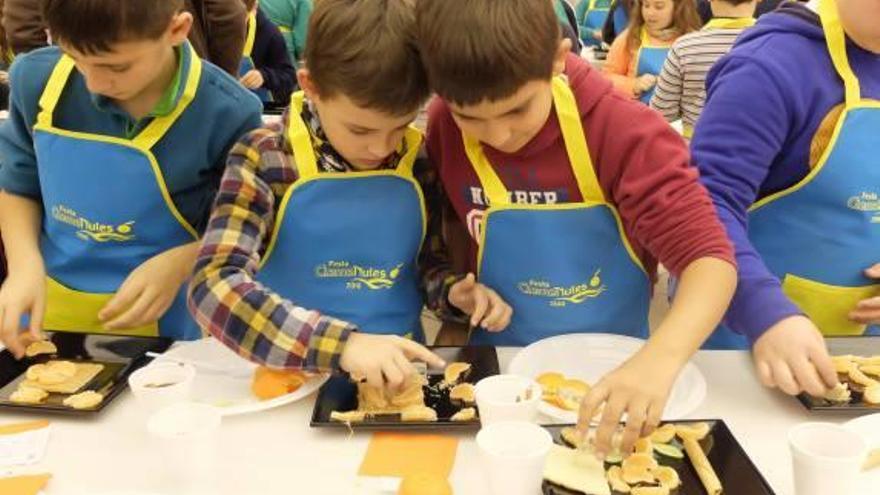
x=828 y=305
x=307 y=167
x=157 y=129
x=687 y=131
x=592 y=6
x=836 y=41
x=157 y=172
x=733 y=23
x=575 y=145
x=54 y=87
x=251 y=34
x=284 y=29
x=74 y=311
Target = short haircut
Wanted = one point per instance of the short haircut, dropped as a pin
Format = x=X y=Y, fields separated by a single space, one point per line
x=367 y=51
x=93 y=26
x=476 y=50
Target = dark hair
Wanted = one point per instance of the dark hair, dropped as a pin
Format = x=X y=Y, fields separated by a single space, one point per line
x=366 y=50
x=476 y=50
x=93 y=26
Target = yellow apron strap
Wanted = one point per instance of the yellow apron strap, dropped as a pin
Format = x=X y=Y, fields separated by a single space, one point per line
x=156 y=129
x=575 y=145
x=413 y=139
x=300 y=142
x=730 y=23
x=836 y=40
x=576 y=142
x=251 y=34
x=592 y=5
x=54 y=87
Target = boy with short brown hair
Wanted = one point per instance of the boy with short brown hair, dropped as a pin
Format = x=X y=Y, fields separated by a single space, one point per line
x=571 y=194
x=317 y=236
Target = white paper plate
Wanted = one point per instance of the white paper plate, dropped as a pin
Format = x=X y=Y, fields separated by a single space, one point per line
x=869 y=427
x=588 y=357
x=231 y=390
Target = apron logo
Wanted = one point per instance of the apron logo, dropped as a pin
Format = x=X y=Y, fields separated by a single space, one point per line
x=358 y=276
x=866 y=202
x=562 y=296
x=93 y=231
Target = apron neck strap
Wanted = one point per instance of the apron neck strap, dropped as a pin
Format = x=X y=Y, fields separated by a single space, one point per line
x=251 y=34
x=160 y=125
x=157 y=127
x=575 y=146
x=730 y=23
x=835 y=38
x=304 y=153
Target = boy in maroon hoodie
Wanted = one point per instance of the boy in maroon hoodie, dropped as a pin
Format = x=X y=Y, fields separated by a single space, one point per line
x=571 y=195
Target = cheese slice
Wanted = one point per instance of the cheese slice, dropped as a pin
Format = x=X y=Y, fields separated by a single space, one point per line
x=578 y=471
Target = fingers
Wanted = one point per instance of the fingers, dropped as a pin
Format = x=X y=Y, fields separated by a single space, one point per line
x=783 y=378
x=808 y=378
x=131 y=317
x=415 y=351
x=820 y=359
x=590 y=405
x=36 y=324
x=374 y=377
x=394 y=376
x=126 y=295
x=652 y=422
x=499 y=313
x=636 y=415
x=867 y=311
x=10 y=331
x=874 y=271
x=614 y=408
x=765 y=374
x=481 y=304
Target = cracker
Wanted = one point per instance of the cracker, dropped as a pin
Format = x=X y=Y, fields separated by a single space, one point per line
x=85 y=373
x=85 y=400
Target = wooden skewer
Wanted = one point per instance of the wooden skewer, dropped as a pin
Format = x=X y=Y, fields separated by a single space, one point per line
x=702 y=466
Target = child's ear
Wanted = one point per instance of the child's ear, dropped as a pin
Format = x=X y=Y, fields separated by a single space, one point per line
x=561 y=54
x=304 y=77
x=178 y=28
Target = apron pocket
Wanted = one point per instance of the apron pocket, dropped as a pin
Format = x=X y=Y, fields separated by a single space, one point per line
x=70 y=310
x=828 y=305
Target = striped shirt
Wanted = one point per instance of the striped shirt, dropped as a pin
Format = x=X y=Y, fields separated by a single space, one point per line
x=252 y=319
x=681 y=87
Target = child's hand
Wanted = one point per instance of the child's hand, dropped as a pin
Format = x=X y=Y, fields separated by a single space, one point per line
x=485 y=306
x=149 y=290
x=384 y=359
x=597 y=34
x=868 y=310
x=645 y=82
x=639 y=388
x=23 y=293
x=252 y=80
x=792 y=356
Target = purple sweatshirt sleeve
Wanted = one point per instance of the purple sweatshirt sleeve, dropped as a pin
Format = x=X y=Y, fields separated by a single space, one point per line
x=734 y=147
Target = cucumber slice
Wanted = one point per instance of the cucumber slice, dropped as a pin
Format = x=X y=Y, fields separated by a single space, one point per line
x=668 y=450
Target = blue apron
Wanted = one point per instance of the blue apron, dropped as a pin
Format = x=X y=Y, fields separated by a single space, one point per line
x=819 y=235
x=106 y=211
x=593 y=19
x=650 y=61
x=565 y=268
x=346 y=244
x=247 y=61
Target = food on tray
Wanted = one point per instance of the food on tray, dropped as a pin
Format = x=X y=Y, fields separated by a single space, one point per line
x=562 y=392
x=40 y=347
x=408 y=402
x=269 y=384
x=463 y=392
x=859 y=380
x=466 y=414
x=650 y=490
x=701 y=465
x=84 y=400
x=696 y=431
x=615 y=479
x=455 y=372
x=63 y=377
x=663 y=434
x=637 y=469
x=667 y=477
x=575 y=470
x=28 y=395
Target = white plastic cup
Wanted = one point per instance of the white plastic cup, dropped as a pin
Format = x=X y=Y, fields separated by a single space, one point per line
x=507 y=398
x=826 y=458
x=161 y=384
x=513 y=455
x=185 y=436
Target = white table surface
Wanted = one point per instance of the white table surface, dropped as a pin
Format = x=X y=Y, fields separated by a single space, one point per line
x=275 y=452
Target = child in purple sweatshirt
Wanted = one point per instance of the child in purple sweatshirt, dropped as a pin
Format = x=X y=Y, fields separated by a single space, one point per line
x=788 y=151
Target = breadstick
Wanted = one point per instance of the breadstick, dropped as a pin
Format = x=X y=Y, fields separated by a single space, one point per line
x=702 y=466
